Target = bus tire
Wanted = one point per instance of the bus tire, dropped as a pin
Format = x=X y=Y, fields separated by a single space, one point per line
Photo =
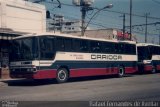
x=153 y=70
x=62 y=75
x=121 y=72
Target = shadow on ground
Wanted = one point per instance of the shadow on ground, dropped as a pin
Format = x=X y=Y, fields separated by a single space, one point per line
x=27 y=82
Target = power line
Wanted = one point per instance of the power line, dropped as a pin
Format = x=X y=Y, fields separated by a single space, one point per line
x=143 y=33
x=113 y=11
x=156 y=1
x=143 y=16
x=103 y=26
x=145 y=24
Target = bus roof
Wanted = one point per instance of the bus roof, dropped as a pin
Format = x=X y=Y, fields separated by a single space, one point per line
x=147 y=44
x=71 y=36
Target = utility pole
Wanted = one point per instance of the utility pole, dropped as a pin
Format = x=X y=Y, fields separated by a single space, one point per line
x=124 y=20
x=159 y=37
x=86 y=6
x=130 y=19
x=146 y=27
x=83 y=10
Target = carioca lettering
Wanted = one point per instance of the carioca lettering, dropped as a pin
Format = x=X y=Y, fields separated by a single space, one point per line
x=106 y=57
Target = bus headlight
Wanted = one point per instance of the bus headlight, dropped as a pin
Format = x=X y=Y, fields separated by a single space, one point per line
x=28 y=69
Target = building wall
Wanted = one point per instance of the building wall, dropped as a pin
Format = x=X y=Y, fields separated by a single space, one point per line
x=18 y=17
x=22 y=16
x=100 y=33
x=71 y=26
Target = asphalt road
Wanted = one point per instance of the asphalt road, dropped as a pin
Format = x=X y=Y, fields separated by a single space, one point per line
x=131 y=88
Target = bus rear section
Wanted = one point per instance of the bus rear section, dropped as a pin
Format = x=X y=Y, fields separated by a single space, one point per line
x=155 y=50
x=63 y=57
x=148 y=58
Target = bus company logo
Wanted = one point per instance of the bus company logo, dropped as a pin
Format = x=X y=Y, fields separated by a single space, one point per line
x=106 y=57
x=9 y=104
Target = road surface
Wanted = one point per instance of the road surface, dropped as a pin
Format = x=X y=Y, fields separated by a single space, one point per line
x=131 y=88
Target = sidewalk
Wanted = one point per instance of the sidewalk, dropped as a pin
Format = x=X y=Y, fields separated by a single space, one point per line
x=2 y=84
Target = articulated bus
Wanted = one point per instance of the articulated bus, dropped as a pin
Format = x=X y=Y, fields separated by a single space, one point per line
x=148 y=57
x=60 y=56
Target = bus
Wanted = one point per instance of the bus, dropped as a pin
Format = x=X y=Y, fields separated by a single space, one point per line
x=63 y=56
x=148 y=57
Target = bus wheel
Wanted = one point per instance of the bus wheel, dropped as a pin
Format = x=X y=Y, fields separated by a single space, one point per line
x=62 y=75
x=121 y=72
x=153 y=70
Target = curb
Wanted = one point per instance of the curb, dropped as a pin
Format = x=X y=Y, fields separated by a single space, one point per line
x=2 y=84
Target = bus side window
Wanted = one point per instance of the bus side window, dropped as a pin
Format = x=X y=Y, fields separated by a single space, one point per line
x=46 y=44
x=116 y=48
x=98 y=47
x=84 y=46
x=47 y=48
x=95 y=46
x=154 y=50
x=158 y=50
x=103 y=47
x=76 y=45
x=107 y=47
x=59 y=44
x=68 y=44
x=133 y=49
x=128 y=49
x=121 y=48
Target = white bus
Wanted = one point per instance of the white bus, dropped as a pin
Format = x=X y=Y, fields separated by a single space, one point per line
x=60 y=56
x=148 y=57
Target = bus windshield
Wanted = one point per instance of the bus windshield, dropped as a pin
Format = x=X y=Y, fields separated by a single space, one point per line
x=24 y=49
x=144 y=53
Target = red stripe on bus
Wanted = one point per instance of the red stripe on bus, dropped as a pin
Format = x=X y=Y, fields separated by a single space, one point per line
x=158 y=67
x=45 y=74
x=92 y=72
x=130 y=70
x=148 y=68
x=49 y=74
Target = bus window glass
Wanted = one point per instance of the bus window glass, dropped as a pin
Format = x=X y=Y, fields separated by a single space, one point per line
x=108 y=47
x=144 y=53
x=47 y=48
x=60 y=44
x=76 y=45
x=84 y=46
x=68 y=44
x=95 y=46
x=24 y=49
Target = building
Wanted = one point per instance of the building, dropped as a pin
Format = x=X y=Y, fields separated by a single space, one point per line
x=18 y=17
x=71 y=26
x=55 y=23
x=59 y=23
x=110 y=34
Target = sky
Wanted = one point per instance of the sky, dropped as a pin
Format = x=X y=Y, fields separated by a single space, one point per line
x=113 y=17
